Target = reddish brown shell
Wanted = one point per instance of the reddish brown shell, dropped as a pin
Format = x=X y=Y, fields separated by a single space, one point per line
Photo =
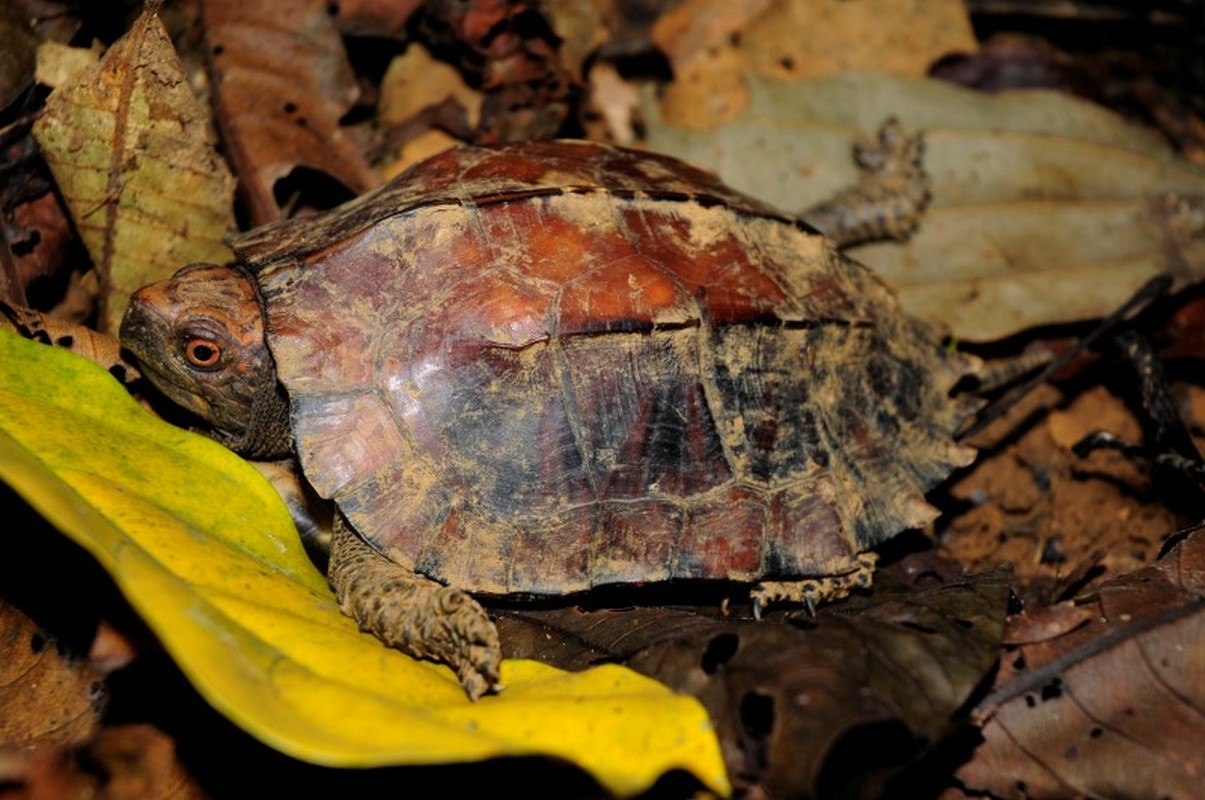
x=551 y=366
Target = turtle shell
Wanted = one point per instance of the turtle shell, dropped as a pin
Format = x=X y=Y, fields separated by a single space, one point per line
x=545 y=367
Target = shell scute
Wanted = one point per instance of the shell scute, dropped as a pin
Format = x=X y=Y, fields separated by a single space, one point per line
x=628 y=294
x=728 y=534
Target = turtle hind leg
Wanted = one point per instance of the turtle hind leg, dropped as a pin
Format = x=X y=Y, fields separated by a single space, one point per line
x=813 y=591
x=891 y=194
x=415 y=614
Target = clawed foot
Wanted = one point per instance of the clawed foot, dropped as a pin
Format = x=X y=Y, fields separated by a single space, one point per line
x=454 y=628
x=415 y=614
x=889 y=198
x=813 y=591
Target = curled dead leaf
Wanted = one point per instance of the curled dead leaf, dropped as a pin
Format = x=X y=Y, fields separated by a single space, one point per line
x=1101 y=696
x=717 y=46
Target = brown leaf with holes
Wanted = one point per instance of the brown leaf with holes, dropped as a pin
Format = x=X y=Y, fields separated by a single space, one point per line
x=40 y=237
x=35 y=233
x=793 y=702
x=281 y=86
x=1103 y=696
x=48 y=696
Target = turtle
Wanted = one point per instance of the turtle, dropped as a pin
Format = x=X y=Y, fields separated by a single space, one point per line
x=535 y=369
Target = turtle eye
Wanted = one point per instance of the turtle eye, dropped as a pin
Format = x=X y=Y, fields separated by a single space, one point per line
x=203 y=353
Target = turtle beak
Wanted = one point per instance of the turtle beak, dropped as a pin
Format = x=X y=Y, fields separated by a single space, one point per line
x=146 y=327
x=143 y=328
x=146 y=332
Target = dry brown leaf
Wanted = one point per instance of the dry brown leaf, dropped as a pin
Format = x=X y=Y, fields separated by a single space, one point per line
x=512 y=52
x=715 y=45
x=387 y=18
x=1045 y=208
x=40 y=237
x=416 y=92
x=583 y=27
x=693 y=28
x=129 y=147
x=803 y=39
x=281 y=84
x=415 y=81
x=47 y=696
x=123 y=762
x=707 y=92
x=1108 y=704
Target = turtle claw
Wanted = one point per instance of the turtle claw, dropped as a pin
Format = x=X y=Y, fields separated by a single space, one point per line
x=457 y=631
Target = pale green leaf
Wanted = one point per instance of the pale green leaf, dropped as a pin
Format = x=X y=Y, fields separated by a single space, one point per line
x=205 y=551
x=1046 y=208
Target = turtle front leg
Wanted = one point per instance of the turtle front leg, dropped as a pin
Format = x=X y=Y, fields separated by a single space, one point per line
x=413 y=613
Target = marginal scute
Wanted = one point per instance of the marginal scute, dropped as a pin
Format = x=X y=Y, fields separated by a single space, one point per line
x=546 y=367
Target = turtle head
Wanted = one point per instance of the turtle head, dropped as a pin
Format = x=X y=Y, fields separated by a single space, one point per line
x=199 y=338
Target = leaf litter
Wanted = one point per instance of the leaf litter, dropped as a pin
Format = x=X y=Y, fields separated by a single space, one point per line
x=1069 y=527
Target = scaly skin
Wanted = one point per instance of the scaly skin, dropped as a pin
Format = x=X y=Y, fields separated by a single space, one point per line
x=891 y=194
x=414 y=614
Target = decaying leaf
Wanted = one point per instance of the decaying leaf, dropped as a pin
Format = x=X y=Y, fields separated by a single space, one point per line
x=793 y=701
x=205 y=552
x=1102 y=696
x=510 y=50
x=128 y=145
x=581 y=27
x=420 y=93
x=48 y=696
x=282 y=84
x=714 y=45
x=123 y=762
x=1045 y=208
x=39 y=237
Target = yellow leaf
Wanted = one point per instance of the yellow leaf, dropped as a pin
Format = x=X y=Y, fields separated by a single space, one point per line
x=205 y=551
x=131 y=150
